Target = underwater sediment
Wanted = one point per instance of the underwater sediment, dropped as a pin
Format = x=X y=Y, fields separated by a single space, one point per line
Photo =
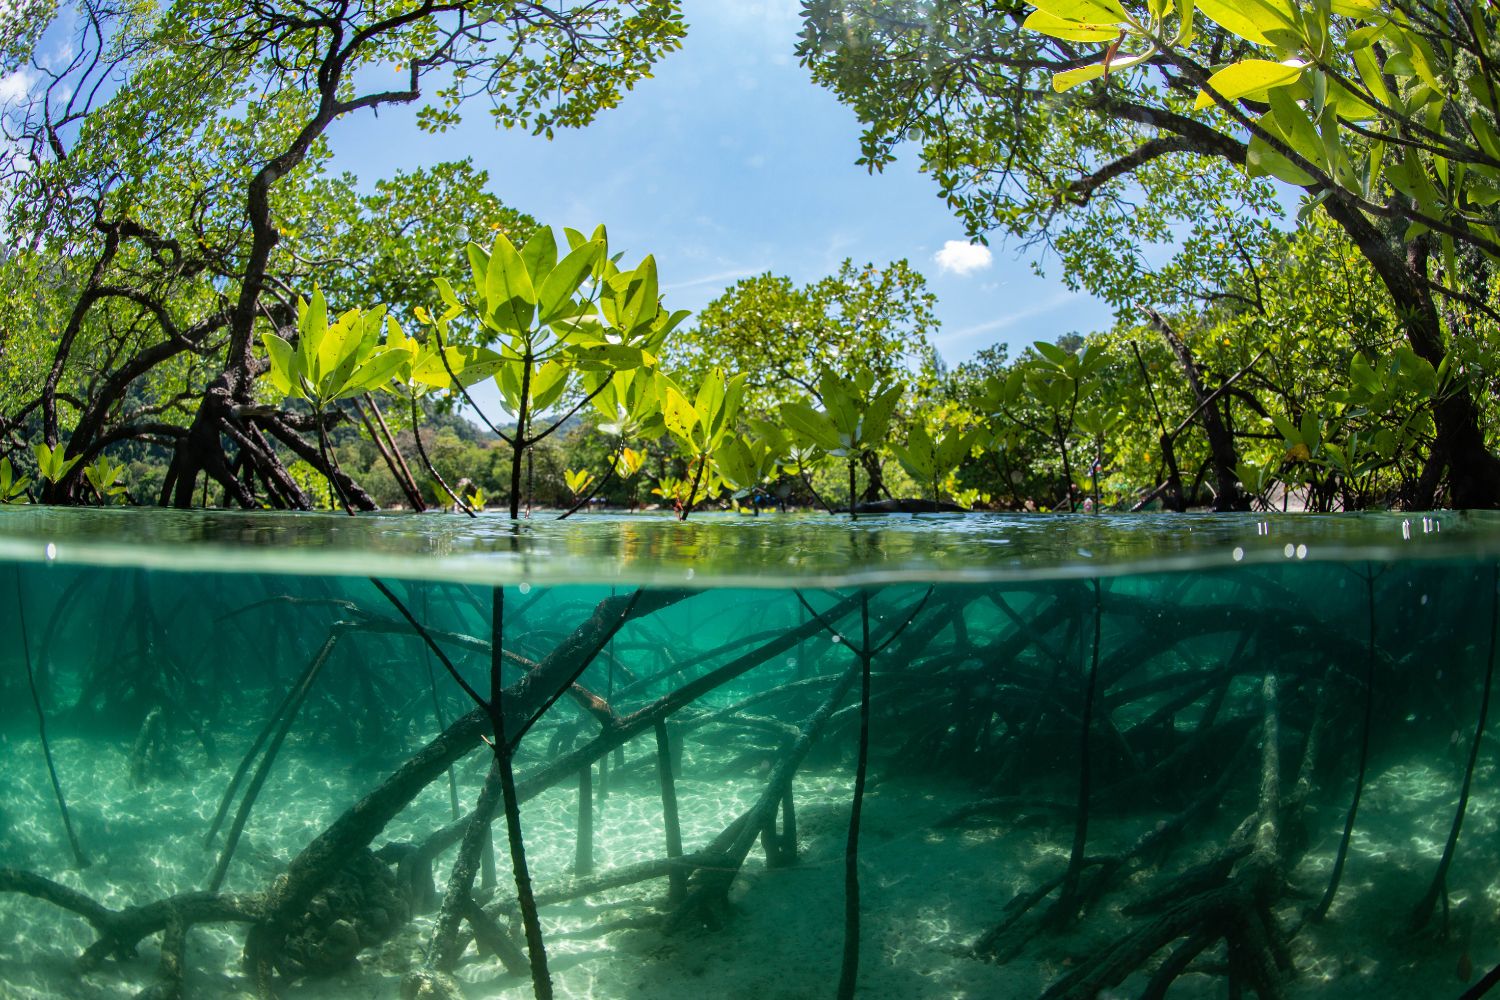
x=1270 y=775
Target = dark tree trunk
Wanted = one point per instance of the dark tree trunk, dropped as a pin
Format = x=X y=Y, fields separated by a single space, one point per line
x=1473 y=472
x=875 y=484
x=1227 y=495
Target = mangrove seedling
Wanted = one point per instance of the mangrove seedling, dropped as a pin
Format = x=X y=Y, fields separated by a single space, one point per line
x=50 y=463
x=334 y=361
x=12 y=487
x=701 y=427
x=550 y=320
x=105 y=476
x=439 y=367
x=745 y=463
x=1043 y=395
x=579 y=481
x=853 y=420
x=931 y=460
x=629 y=403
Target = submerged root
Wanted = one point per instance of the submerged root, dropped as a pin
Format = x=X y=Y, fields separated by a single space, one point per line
x=152 y=754
x=361 y=908
x=120 y=931
x=1151 y=741
x=425 y=984
x=704 y=899
x=1228 y=898
x=1237 y=912
x=173 y=963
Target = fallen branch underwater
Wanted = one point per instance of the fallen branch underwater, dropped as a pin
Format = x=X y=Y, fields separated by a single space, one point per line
x=1069 y=705
x=271 y=912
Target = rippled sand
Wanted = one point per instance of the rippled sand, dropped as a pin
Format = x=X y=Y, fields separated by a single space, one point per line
x=927 y=893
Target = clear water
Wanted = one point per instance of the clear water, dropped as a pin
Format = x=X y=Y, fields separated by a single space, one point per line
x=1217 y=685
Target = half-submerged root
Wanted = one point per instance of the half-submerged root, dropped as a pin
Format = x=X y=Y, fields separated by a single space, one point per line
x=358 y=826
x=499 y=787
x=459 y=906
x=951 y=709
x=276 y=729
x=775 y=845
x=297 y=925
x=173 y=963
x=1341 y=856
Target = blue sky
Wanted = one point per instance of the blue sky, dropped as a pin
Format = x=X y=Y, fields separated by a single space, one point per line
x=730 y=162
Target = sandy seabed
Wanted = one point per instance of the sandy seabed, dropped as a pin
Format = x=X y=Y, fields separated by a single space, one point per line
x=927 y=893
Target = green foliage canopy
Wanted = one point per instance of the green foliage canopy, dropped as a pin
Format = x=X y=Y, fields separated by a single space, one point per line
x=167 y=201
x=1032 y=118
x=861 y=319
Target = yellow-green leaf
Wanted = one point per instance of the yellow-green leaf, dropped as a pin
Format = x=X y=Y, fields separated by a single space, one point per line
x=578 y=480
x=1370 y=75
x=1295 y=128
x=312 y=324
x=1251 y=20
x=641 y=305
x=1072 y=31
x=1095 y=11
x=1185 y=22
x=547 y=384
x=678 y=413
x=508 y=291
x=375 y=373
x=282 y=358
x=1251 y=78
x=1073 y=77
x=1261 y=160
x=563 y=281
x=446 y=291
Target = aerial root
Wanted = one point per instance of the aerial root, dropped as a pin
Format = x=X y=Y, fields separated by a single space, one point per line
x=706 y=901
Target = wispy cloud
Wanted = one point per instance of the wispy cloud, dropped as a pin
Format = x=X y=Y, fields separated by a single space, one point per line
x=835 y=249
x=956 y=337
x=720 y=278
x=958 y=257
x=766 y=14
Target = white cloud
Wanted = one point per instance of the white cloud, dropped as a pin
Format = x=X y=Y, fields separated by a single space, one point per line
x=958 y=257
x=62 y=54
x=15 y=86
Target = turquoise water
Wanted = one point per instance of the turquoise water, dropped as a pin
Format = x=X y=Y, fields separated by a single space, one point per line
x=1182 y=757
